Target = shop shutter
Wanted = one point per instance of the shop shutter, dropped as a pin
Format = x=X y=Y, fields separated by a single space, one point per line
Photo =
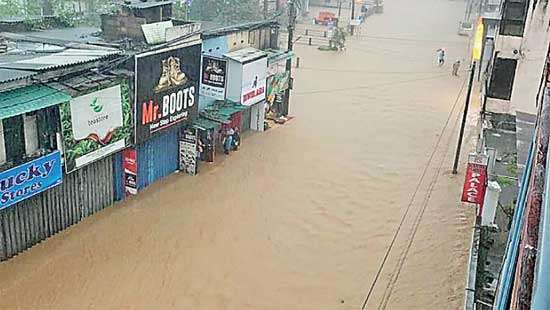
x=157 y=158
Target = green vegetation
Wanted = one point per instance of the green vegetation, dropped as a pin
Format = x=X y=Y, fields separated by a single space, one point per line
x=226 y=12
x=69 y=12
x=504 y=181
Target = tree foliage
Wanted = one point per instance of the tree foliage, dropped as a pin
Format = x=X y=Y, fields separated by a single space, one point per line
x=226 y=12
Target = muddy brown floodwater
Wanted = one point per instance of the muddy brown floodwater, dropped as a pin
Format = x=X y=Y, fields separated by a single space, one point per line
x=301 y=216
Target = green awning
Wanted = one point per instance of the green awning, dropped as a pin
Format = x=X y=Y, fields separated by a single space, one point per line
x=222 y=112
x=28 y=99
x=205 y=124
x=274 y=56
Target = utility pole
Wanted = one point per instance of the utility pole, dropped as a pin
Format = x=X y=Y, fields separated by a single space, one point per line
x=290 y=45
x=464 y=117
x=352 y=28
x=265 y=9
x=339 y=10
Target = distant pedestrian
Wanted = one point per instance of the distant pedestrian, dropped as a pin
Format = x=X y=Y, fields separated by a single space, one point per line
x=440 y=53
x=456 y=67
x=228 y=141
x=236 y=139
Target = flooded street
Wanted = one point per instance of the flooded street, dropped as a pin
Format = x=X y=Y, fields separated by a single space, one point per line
x=302 y=215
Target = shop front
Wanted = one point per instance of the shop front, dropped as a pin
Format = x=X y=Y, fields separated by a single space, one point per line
x=278 y=81
x=228 y=117
x=247 y=84
x=166 y=101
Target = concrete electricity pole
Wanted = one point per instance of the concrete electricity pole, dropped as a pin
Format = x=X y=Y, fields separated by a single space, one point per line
x=290 y=46
x=464 y=118
x=352 y=28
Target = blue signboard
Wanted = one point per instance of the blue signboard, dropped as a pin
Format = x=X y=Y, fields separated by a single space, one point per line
x=29 y=179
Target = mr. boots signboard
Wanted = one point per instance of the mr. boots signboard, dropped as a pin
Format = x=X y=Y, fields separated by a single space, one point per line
x=167 y=89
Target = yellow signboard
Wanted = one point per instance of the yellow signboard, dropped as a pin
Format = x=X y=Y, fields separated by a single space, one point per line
x=478 y=41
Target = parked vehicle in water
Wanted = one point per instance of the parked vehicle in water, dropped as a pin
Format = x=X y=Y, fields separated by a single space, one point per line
x=325 y=18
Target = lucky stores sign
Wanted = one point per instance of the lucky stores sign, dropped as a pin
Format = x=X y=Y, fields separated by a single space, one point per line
x=29 y=179
x=167 y=85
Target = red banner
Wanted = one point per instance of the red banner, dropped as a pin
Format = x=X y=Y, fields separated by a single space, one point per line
x=129 y=157
x=474 y=185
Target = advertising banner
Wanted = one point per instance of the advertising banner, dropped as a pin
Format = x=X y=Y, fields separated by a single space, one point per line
x=188 y=151
x=254 y=82
x=29 y=179
x=213 y=78
x=167 y=85
x=277 y=82
x=475 y=182
x=95 y=125
x=129 y=162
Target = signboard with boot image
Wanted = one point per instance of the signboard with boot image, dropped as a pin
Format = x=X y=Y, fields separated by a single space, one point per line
x=167 y=89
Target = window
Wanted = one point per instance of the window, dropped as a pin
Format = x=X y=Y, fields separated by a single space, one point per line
x=2 y=145
x=513 y=18
x=15 y=138
x=502 y=78
x=31 y=134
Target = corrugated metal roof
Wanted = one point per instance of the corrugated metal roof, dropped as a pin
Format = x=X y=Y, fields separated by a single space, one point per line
x=246 y=54
x=222 y=111
x=205 y=124
x=8 y=75
x=217 y=32
x=28 y=99
x=274 y=56
x=145 y=4
x=65 y=58
x=76 y=34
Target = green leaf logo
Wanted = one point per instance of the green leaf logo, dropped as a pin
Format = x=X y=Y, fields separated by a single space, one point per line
x=96 y=106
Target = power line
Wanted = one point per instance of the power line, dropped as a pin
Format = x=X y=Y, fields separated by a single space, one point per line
x=368 y=86
x=408 y=40
x=416 y=224
x=405 y=214
x=368 y=72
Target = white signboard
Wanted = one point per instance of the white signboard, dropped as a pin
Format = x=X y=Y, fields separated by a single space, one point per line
x=254 y=82
x=96 y=116
x=188 y=152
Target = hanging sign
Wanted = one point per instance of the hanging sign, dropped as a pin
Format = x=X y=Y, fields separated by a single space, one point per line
x=254 y=79
x=213 y=78
x=476 y=179
x=29 y=179
x=188 y=151
x=129 y=157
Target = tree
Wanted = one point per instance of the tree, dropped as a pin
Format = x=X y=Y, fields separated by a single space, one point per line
x=11 y=8
x=226 y=12
x=47 y=7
